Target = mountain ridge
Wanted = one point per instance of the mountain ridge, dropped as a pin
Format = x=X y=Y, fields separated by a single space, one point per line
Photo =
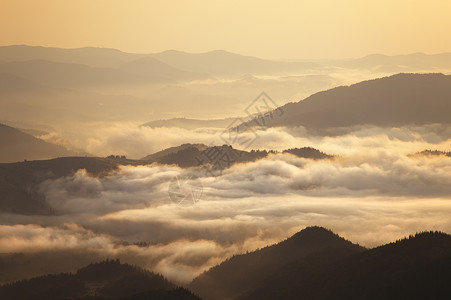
x=109 y=279
x=235 y=276
x=401 y=99
x=404 y=269
x=18 y=146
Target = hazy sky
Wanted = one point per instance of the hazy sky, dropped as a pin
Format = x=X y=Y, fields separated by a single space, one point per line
x=269 y=29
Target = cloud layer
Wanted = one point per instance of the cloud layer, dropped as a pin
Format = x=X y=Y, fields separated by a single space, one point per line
x=137 y=141
x=371 y=193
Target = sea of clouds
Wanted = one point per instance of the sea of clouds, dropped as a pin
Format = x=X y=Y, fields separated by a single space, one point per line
x=372 y=192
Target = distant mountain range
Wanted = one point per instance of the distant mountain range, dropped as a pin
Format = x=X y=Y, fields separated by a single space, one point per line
x=317 y=264
x=105 y=280
x=401 y=99
x=91 y=56
x=17 y=145
x=414 y=62
x=171 y=62
x=54 y=86
x=220 y=62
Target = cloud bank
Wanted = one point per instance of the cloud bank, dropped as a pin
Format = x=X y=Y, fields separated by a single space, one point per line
x=371 y=193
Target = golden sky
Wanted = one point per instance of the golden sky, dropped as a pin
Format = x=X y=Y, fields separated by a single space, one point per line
x=269 y=29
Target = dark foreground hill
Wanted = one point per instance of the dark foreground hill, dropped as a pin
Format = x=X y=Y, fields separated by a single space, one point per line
x=316 y=264
x=102 y=281
x=401 y=99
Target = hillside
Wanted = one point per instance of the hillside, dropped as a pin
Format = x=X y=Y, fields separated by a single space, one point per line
x=19 y=182
x=104 y=280
x=163 y=154
x=243 y=273
x=401 y=99
x=17 y=145
x=316 y=264
x=192 y=155
x=413 y=268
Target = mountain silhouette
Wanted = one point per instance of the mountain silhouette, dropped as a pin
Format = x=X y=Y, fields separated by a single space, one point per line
x=192 y=155
x=163 y=154
x=243 y=273
x=104 y=280
x=401 y=99
x=316 y=264
x=17 y=145
x=19 y=182
x=218 y=62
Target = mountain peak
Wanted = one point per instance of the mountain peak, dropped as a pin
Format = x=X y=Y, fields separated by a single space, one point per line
x=314 y=231
x=318 y=237
x=241 y=272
